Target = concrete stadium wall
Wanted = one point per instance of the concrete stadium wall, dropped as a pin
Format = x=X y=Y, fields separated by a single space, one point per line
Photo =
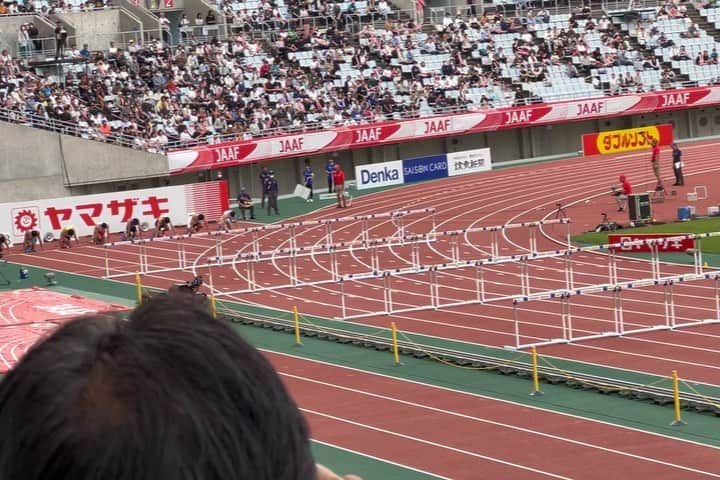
x=39 y=164
x=404 y=4
x=96 y=162
x=10 y=26
x=95 y=28
x=30 y=164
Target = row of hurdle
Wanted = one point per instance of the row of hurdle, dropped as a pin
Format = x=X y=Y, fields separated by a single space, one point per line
x=250 y=260
x=523 y=261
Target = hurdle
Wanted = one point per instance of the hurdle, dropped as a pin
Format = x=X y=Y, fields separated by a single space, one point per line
x=254 y=232
x=523 y=261
x=494 y=231
x=395 y=216
x=291 y=227
x=252 y=259
x=620 y=328
x=169 y=238
x=257 y=255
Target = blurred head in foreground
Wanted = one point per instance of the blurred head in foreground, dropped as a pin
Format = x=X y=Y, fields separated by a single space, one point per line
x=170 y=393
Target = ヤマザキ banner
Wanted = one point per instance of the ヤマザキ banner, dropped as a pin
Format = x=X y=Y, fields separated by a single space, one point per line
x=83 y=212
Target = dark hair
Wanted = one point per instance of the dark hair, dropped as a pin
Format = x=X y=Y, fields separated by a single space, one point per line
x=232 y=213
x=170 y=393
x=104 y=225
x=34 y=233
x=201 y=217
x=134 y=221
x=166 y=219
x=71 y=232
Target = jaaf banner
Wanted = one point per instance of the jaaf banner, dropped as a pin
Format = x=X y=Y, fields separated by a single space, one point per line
x=239 y=152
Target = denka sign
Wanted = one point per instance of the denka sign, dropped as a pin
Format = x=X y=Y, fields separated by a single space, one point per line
x=115 y=209
x=663 y=247
x=616 y=141
x=469 y=161
x=379 y=175
x=422 y=168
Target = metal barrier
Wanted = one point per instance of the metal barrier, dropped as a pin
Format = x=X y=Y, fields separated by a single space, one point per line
x=481 y=295
x=568 y=333
x=255 y=255
x=250 y=260
x=119 y=39
x=62 y=127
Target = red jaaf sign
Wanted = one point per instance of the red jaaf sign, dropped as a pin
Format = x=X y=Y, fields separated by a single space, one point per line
x=232 y=153
x=666 y=246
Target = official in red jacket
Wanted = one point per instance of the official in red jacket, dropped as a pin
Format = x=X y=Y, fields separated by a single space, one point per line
x=622 y=193
x=339 y=186
x=655 y=159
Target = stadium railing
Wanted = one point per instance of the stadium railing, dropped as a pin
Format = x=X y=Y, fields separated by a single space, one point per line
x=62 y=127
x=120 y=40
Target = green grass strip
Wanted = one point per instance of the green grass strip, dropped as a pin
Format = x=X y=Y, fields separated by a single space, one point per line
x=703 y=225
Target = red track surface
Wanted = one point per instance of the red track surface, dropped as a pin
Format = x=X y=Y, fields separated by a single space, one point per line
x=505 y=196
x=447 y=433
x=463 y=436
x=28 y=314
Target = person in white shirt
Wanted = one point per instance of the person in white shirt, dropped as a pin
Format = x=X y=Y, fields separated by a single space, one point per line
x=383 y=7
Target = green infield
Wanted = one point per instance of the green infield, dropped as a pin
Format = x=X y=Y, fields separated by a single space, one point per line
x=703 y=225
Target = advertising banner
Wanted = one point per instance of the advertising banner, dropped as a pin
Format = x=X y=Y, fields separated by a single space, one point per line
x=663 y=247
x=469 y=161
x=116 y=209
x=617 y=141
x=379 y=175
x=425 y=168
x=238 y=152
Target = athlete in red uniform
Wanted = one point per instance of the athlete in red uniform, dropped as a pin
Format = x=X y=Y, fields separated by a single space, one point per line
x=339 y=186
x=622 y=192
x=655 y=159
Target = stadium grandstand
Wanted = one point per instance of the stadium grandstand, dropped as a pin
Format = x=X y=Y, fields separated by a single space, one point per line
x=242 y=70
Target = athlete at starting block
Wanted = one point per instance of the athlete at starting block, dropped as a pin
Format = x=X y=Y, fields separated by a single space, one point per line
x=162 y=225
x=226 y=221
x=196 y=222
x=66 y=235
x=31 y=239
x=101 y=234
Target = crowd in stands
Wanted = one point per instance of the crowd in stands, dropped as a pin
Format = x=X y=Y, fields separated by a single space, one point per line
x=51 y=8
x=154 y=95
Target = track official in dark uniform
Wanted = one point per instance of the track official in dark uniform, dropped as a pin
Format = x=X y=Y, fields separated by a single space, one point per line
x=264 y=175
x=677 y=165
x=271 y=190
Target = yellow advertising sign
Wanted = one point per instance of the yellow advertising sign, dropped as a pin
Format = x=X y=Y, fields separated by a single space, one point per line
x=616 y=141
